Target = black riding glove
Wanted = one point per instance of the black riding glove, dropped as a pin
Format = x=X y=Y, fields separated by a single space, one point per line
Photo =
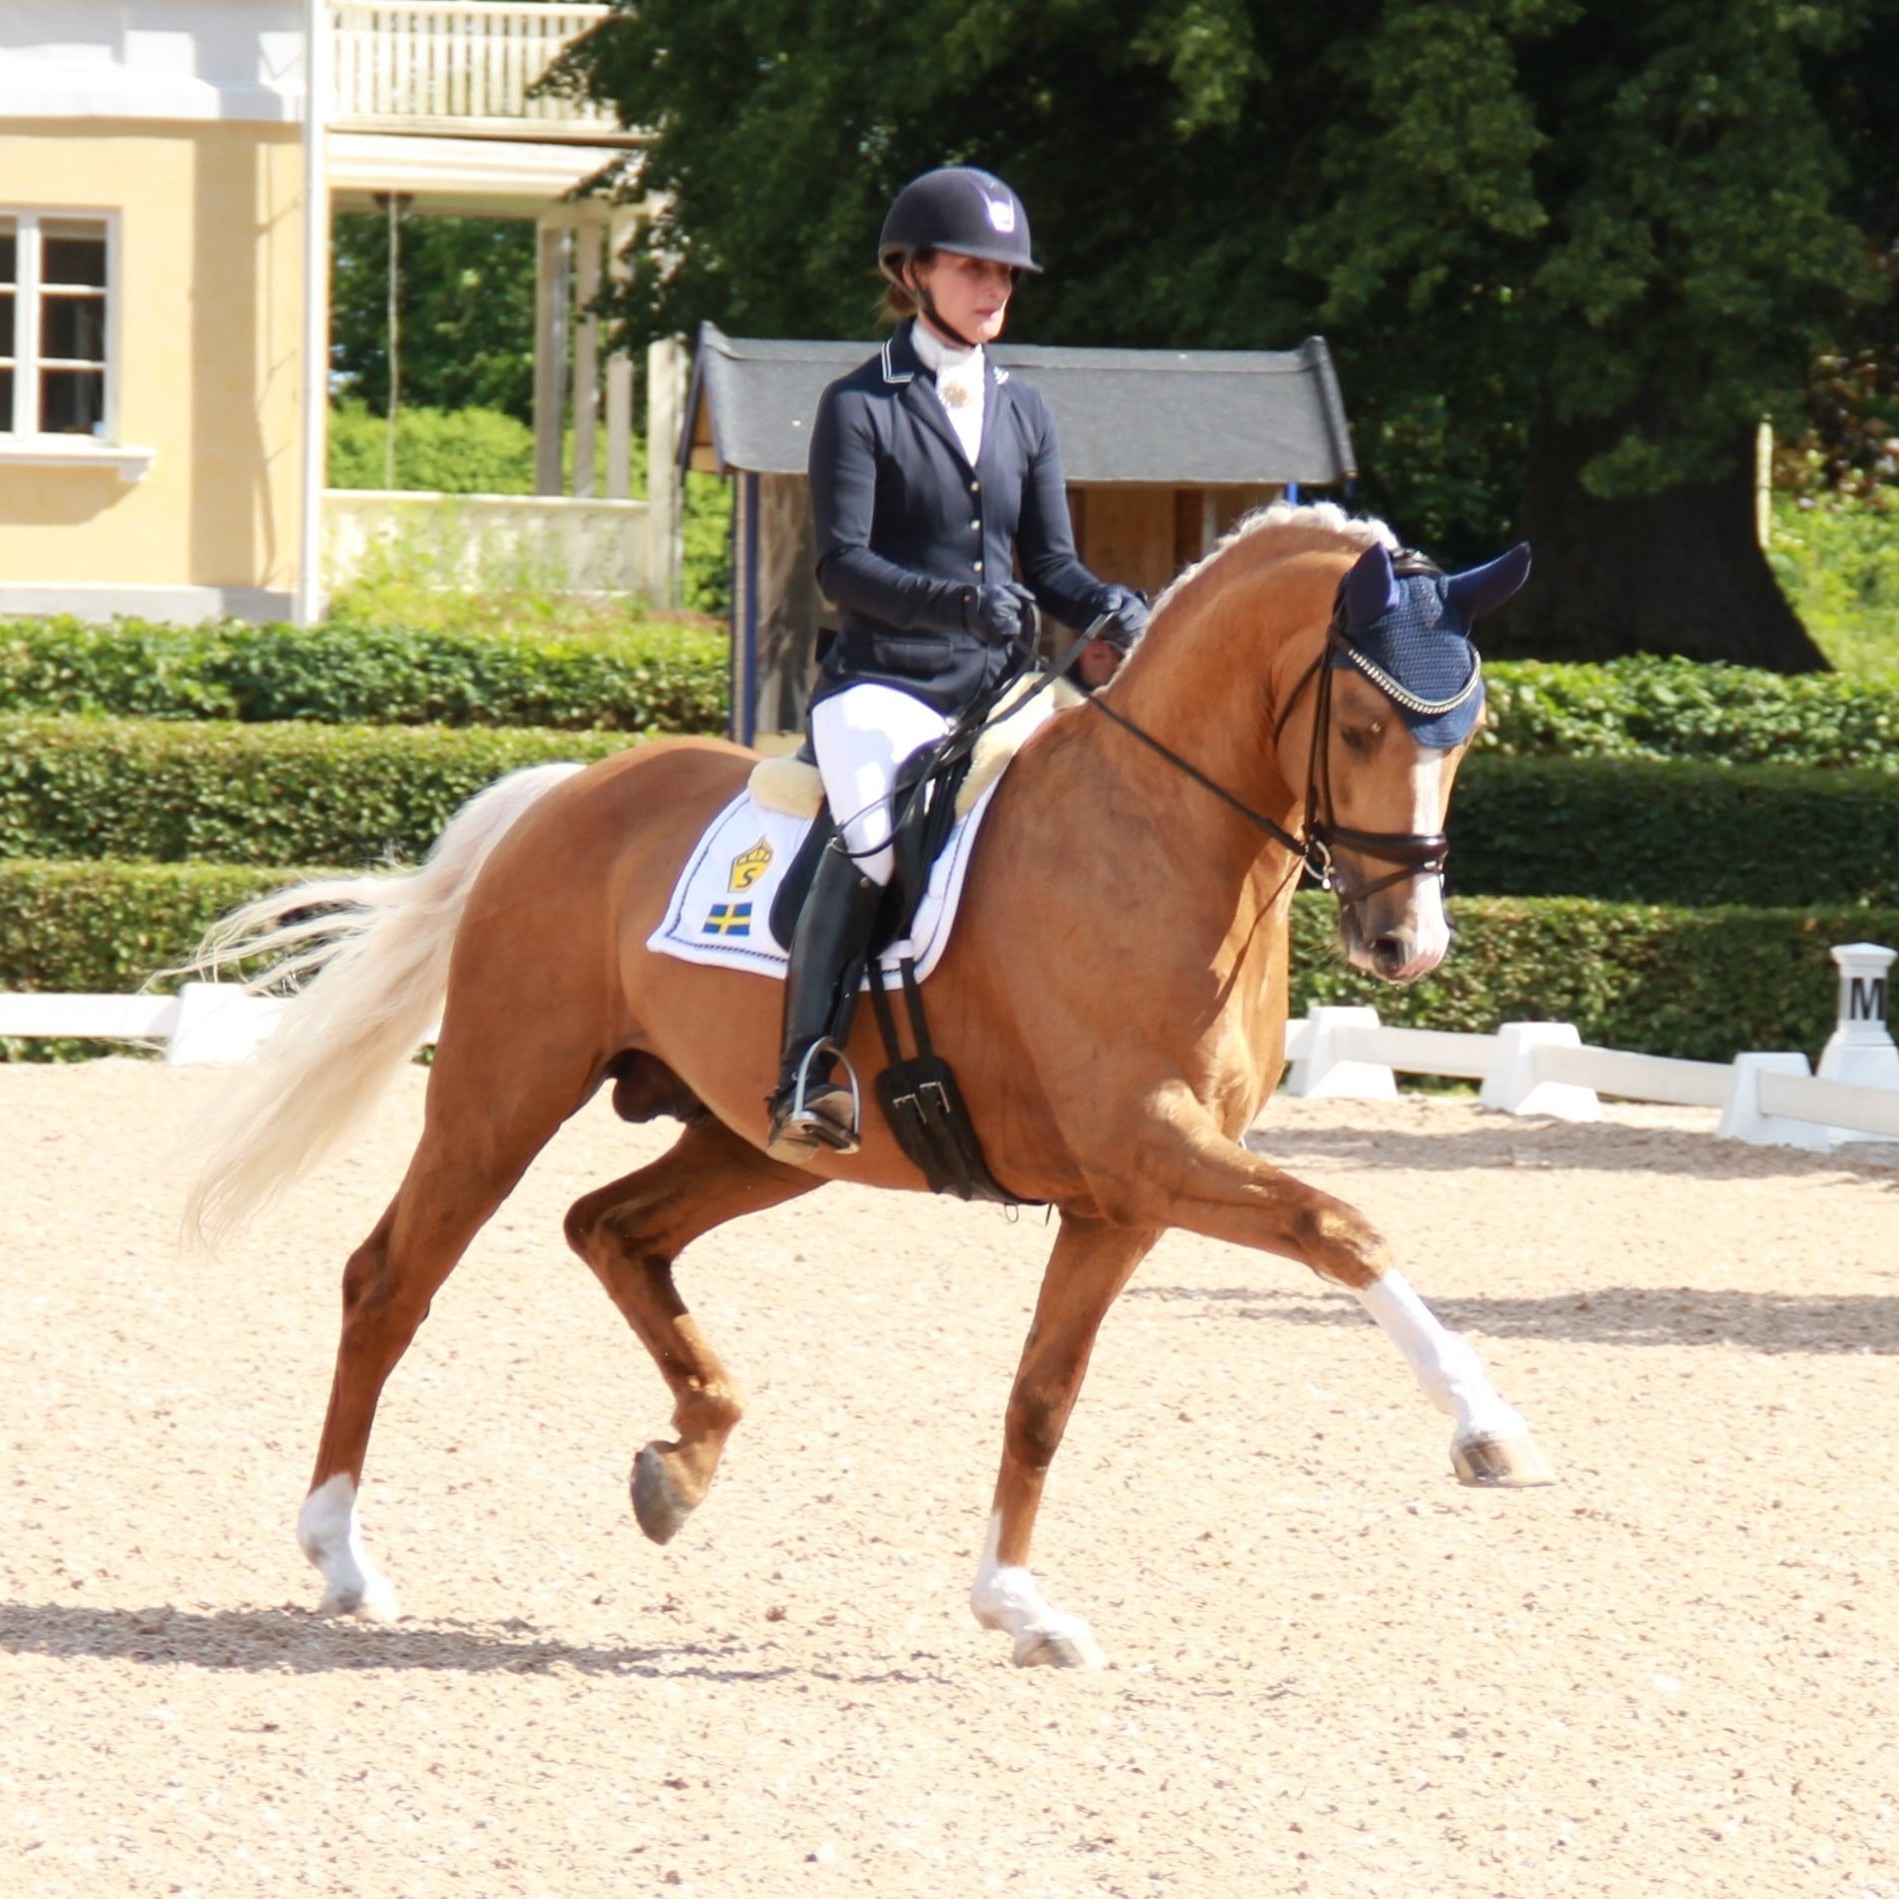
x=1130 y=616
x=1001 y=616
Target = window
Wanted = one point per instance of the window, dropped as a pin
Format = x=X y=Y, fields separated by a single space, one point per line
x=55 y=282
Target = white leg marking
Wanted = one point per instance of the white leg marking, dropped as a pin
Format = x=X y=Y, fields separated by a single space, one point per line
x=331 y=1538
x=1007 y=1597
x=1451 y=1373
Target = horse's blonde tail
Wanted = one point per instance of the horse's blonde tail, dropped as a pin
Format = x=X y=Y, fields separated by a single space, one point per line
x=367 y=958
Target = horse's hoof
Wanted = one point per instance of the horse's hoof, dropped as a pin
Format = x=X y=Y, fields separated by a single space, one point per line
x=370 y=1598
x=1070 y=1647
x=1501 y=1463
x=656 y=1503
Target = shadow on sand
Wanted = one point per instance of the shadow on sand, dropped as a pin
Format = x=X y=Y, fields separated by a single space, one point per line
x=1609 y=1147
x=1770 y=1322
x=299 y=1642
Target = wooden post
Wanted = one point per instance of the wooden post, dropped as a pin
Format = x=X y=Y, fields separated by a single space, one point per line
x=587 y=237
x=743 y=724
x=619 y=368
x=307 y=600
x=1764 y=483
x=665 y=416
x=550 y=354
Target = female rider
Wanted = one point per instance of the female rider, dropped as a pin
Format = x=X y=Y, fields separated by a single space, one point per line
x=933 y=473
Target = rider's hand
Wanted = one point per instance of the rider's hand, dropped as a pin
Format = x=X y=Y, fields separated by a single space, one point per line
x=1001 y=615
x=1128 y=621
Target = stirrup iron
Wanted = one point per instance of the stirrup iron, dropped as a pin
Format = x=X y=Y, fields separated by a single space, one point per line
x=803 y=1124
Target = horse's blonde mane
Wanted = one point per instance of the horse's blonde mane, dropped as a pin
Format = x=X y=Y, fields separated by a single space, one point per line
x=1283 y=527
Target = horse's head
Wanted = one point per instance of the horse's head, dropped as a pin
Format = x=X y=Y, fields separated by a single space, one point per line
x=1399 y=695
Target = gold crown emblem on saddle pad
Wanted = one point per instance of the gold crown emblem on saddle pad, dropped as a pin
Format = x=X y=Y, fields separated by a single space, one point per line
x=749 y=866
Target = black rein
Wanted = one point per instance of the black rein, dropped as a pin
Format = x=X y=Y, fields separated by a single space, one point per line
x=1416 y=853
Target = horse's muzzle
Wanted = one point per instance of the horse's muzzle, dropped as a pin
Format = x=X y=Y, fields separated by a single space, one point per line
x=1397 y=933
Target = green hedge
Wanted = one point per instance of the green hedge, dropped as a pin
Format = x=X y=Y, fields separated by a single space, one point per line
x=657 y=678
x=250 y=794
x=104 y=928
x=442 y=451
x=1619 y=830
x=667 y=678
x=1706 y=984
x=1646 y=831
x=1676 y=708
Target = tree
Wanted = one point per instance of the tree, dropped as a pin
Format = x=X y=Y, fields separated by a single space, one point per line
x=465 y=310
x=1568 y=255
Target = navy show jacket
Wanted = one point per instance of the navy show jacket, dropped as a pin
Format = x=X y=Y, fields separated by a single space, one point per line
x=907 y=530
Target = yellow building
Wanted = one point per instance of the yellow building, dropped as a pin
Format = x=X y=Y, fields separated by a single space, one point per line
x=165 y=194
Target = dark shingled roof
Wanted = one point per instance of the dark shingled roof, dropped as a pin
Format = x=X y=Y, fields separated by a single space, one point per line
x=1194 y=418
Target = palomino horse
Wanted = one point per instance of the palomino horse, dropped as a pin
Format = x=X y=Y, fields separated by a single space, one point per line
x=1121 y=1103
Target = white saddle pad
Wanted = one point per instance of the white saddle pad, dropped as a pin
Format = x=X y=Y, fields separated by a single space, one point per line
x=720 y=911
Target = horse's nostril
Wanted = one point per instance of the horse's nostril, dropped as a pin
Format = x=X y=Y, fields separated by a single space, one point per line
x=1389 y=953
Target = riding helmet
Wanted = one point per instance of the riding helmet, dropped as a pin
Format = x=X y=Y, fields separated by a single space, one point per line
x=956 y=208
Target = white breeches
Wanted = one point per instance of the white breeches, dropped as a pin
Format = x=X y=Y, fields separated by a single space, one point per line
x=862 y=735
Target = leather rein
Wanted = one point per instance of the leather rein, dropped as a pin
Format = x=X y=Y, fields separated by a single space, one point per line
x=1416 y=853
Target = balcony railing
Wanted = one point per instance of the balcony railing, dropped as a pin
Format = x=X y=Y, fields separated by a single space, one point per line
x=459 y=67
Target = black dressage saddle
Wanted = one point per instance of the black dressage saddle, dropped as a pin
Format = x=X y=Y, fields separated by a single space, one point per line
x=918 y=1093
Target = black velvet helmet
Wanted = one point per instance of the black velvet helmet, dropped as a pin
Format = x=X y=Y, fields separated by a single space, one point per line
x=956 y=209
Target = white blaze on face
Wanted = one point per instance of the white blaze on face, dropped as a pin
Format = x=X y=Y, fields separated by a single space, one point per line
x=1431 y=932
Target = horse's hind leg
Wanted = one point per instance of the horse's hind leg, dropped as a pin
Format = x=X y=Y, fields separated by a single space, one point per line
x=1090 y=1264
x=463 y=1168
x=630 y=1233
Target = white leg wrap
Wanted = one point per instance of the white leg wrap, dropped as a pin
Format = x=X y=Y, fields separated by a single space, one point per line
x=331 y=1538
x=1007 y=1597
x=1451 y=1373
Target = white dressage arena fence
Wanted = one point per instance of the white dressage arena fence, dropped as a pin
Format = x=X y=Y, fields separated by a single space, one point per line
x=1346 y=1053
x=1545 y=1068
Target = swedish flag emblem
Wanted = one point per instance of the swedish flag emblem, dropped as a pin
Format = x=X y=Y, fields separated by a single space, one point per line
x=728 y=919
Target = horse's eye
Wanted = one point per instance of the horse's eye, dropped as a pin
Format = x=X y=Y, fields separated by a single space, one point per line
x=1360 y=738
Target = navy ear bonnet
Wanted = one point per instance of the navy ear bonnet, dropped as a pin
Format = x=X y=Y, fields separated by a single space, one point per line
x=1406 y=627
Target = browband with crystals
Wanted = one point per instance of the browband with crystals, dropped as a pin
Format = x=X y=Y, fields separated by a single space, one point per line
x=1410 y=700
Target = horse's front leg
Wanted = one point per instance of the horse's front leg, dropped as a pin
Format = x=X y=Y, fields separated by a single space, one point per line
x=1190 y=1175
x=1090 y=1264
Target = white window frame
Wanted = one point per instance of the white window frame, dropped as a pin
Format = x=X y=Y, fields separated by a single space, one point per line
x=30 y=446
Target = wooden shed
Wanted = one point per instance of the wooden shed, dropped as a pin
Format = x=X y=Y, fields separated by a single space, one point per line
x=1163 y=450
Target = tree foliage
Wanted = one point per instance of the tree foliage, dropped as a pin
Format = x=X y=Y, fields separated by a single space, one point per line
x=464 y=312
x=1623 y=228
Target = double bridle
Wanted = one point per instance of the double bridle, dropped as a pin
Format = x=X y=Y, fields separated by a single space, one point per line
x=1416 y=853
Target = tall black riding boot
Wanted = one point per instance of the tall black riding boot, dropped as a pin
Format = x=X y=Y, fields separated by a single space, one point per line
x=811 y=1107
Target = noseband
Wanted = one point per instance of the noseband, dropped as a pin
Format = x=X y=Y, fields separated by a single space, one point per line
x=1416 y=853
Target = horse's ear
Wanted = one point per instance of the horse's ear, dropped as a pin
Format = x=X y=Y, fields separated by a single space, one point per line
x=1484 y=589
x=1370 y=589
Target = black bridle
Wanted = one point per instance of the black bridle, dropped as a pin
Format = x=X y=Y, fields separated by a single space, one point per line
x=1416 y=853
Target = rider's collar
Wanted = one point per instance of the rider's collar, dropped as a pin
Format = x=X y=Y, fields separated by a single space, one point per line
x=941 y=358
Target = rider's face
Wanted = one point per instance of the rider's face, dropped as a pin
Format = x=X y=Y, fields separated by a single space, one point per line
x=971 y=294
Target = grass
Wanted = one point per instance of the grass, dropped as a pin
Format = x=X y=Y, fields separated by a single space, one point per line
x=1836 y=557
x=402 y=582
x=1837 y=560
